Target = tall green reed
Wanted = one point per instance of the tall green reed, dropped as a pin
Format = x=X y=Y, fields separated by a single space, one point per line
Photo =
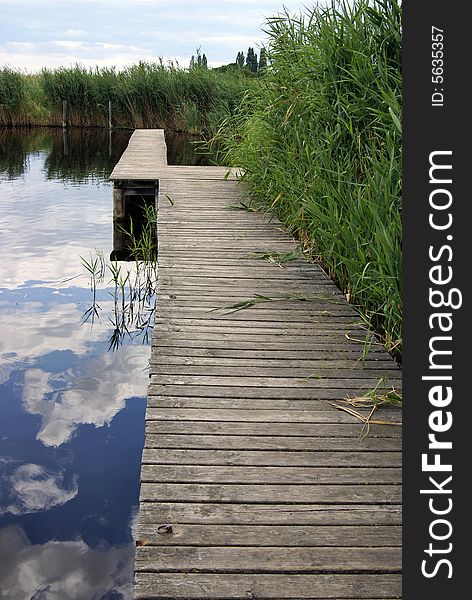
x=142 y=95
x=319 y=139
x=12 y=95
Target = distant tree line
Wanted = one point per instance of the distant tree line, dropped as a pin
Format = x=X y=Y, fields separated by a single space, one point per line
x=199 y=62
x=250 y=61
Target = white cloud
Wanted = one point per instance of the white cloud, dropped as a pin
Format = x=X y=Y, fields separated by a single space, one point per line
x=20 y=46
x=67 y=44
x=74 y=32
x=116 y=46
x=91 y=394
x=57 y=570
x=233 y=40
x=38 y=333
x=172 y=31
x=33 y=488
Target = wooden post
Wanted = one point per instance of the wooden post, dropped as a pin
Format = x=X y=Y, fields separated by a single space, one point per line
x=110 y=124
x=64 y=114
x=118 y=203
x=119 y=213
x=65 y=146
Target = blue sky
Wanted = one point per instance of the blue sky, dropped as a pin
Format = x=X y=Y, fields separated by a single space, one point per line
x=52 y=33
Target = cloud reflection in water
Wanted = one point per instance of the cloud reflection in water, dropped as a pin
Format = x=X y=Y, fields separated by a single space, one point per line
x=32 y=488
x=93 y=393
x=62 y=570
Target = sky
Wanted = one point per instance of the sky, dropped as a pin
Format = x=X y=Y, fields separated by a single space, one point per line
x=53 y=33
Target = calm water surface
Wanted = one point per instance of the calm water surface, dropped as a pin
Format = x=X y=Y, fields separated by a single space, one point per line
x=71 y=409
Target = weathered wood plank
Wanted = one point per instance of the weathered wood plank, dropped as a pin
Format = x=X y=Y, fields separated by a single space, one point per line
x=307 y=373
x=239 y=403
x=269 y=514
x=239 y=446
x=287 y=476
x=242 y=342
x=309 y=354
x=228 y=559
x=267 y=493
x=228 y=320
x=347 y=458
x=356 y=388
x=219 y=326
x=342 y=536
x=281 y=364
x=269 y=430
x=269 y=382
x=194 y=586
x=267 y=416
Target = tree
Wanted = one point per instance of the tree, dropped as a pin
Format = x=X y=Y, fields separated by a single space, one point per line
x=262 y=60
x=200 y=61
x=240 y=60
x=251 y=60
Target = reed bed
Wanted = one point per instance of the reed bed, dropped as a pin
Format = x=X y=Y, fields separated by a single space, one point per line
x=319 y=138
x=12 y=96
x=143 y=95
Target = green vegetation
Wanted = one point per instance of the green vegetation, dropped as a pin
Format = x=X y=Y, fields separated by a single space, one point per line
x=12 y=95
x=251 y=63
x=143 y=95
x=319 y=137
x=131 y=285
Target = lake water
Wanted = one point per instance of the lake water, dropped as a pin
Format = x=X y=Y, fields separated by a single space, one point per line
x=73 y=371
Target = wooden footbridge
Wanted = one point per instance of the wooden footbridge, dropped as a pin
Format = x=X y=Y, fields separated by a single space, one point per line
x=254 y=483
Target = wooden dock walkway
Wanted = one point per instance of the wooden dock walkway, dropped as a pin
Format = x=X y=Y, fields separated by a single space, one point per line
x=253 y=485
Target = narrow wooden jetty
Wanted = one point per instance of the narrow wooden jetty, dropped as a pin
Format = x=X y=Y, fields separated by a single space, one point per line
x=254 y=484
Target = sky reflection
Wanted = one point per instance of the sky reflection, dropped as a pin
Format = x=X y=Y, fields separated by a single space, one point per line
x=71 y=412
x=59 y=570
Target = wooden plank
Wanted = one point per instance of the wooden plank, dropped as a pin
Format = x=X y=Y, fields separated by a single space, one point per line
x=196 y=308
x=221 y=326
x=347 y=458
x=342 y=536
x=135 y=169
x=228 y=559
x=267 y=493
x=271 y=514
x=287 y=476
x=239 y=446
x=217 y=306
x=276 y=373
x=327 y=346
x=357 y=387
x=284 y=364
x=214 y=401
x=264 y=587
x=268 y=338
x=269 y=430
x=309 y=354
x=267 y=416
x=269 y=382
